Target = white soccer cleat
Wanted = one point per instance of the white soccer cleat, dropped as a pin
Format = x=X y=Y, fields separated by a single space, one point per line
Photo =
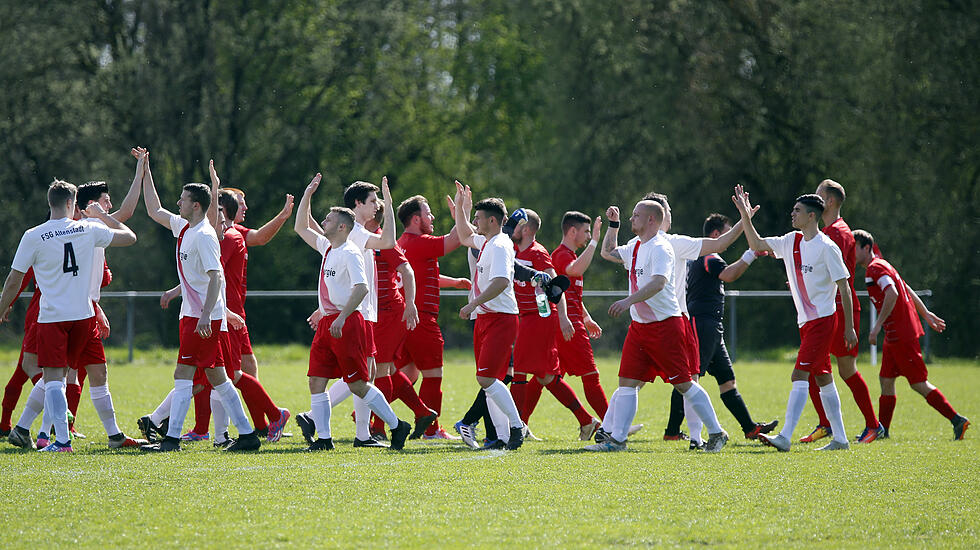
x=586 y=432
x=716 y=442
x=633 y=429
x=608 y=446
x=779 y=442
x=528 y=436
x=835 y=445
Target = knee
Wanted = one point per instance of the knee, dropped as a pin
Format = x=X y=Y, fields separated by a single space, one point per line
x=726 y=386
x=546 y=380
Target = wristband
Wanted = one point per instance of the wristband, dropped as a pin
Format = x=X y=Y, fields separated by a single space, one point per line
x=593 y=243
x=748 y=256
x=613 y=225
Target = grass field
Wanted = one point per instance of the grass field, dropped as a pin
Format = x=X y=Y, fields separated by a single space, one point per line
x=916 y=489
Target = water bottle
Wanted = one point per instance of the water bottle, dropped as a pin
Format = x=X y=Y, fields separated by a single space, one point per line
x=541 y=300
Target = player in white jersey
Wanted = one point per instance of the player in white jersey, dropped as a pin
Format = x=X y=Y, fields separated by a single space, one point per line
x=202 y=310
x=816 y=272
x=61 y=251
x=339 y=348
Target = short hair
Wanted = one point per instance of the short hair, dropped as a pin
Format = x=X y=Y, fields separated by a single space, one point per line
x=833 y=189
x=863 y=238
x=410 y=207
x=533 y=219
x=235 y=190
x=658 y=209
x=358 y=192
x=812 y=202
x=379 y=216
x=714 y=222
x=494 y=207
x=90 y=191
x=346 y=215
x=573 y=218
x=60 y=191
x=229 y=202
x=658 y=198
x=200 y=194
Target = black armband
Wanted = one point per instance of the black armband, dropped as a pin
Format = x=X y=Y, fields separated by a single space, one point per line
x=613 y=225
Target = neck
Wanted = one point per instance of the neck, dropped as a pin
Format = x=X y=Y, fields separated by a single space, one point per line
x=648 y=233
x=492 y=232
x=58 y=213
x=337 y=240
x=830 y=215
x=525 y=243
x=567 y=241
x=413 y=229
x=810 y=230
x=363 y=219
x=196 y=218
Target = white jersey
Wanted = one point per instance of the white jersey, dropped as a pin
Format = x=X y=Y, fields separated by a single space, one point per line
x=471 y=256
x=198 y=252
x=62 y=253
x=643 y=262
x=685 y=248
x=359 y=237
x=340 y=269
x=496 y=260
x=813 y=269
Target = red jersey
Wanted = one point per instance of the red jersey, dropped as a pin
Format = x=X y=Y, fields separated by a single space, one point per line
x=561 y=258
x=234 y=257
x=386 y=264
x=903 y=322
x=840 y=233
x=35 y=304
x=423 y=253
x=536 y=257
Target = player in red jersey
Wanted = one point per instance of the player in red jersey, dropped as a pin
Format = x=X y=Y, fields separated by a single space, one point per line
x=536 y=347
x=423 y=347
x=837 y=229
x=27 y=368
x=901 y=356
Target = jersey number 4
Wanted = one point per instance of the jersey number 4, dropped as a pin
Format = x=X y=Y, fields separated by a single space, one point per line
x=70 y=265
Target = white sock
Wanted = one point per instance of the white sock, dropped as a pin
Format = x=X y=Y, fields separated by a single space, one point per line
x=320 y=409
x=233 y=407
x=163 y=411
x=377 y=402
x=626 y=405
x=499 y=394
x=831 y=405
x=500 y=421
x=701 y=404
x=794 y=407
x=339 y=391
x=180 y=402
x=102 y=401
x=56 y=402
x=609 y=420
x=694 y=423
x=33 y=407
x=220 y=417
x=362 y=419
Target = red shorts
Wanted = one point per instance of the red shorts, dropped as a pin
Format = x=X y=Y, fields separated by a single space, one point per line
x=656 y=349
x=691 y=346
x=231 y=348
x=838 y=347
x=244 y=341
x=575 y=356
x=372 y=349
x=423 y=346
x=493 y=343
x=61 y=344
x=535 y=351
x=196 y=351
x=344 y=357
x=903 y=358
x=224 y=345
x=815 y=339
x=30 y=333
x=389 y=334
x=92 y=354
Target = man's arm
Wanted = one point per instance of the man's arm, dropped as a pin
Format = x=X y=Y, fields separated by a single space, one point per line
x=850 y=336
x=302 y=223
x=212 y=212
x=453 y=282
x=203 y=328
x=611 y=240
x=591 y=326
x=264 y=234
x=643 y=294
x=887 y=305
x=11 y=288
x=464 y=203
x=387 y=237
x=934 y=321
x=741 y=200
x=411 y=316
x=358 y=293
x=721 y=244
x=168 y=296
x=150 y=198
x=577 y=268
x=734 y=271
x=121 y=235
x=128 y=206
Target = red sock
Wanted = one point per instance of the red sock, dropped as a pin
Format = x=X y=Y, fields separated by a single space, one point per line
x=938 y=402
x=385 y=387
x=80 y=376
x=259 y=403
x=566 y=396
x=595 y=395
x=531 y=397
x=430 y=392
x=817 y=403
x=74 y=394
x=202 y=411
x=518 y=390
x=402 y=389
x=863 y=399
x=377 y=425
x=11 y=394
x=886 y=408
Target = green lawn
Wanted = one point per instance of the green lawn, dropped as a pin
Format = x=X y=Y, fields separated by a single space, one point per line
x=916 y=489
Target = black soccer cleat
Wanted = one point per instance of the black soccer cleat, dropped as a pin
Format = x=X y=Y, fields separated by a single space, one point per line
x=601 y=436
x=307 y=426
x=225 y=443
x=422 y=423
x=4 y=433
x=516 y=438
x=245 y=443
x=399 y=435
x=148 y=429
x=321 y=445
x=168 y=444
x=960 y=424
x=369 y=442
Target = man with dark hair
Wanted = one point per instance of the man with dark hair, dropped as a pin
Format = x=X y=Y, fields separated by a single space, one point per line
x=901 y=356
x=706 y=304
x=816 y=271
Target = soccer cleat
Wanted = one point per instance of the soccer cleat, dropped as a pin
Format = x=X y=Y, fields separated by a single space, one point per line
x=960 y=424
x=261 y=432
x=633 y=429
x=778 y=441
x=321 y=445
x=42 y=441
x=422 y=423
x=307 y=426
x=194 y=436
x=168 y=444
x=715 y=442
x=680 y=436
x=4 y=433
x=244 y=443
x=400 y=434
x=835 y=445
x=819 y=432
x=526 y=432
x=586 y=432
x=607 y=446
x=885 y=435
x=275 y=428
x=19 y=437
x=121 y=441
x=441 y=434
x=696 y=446
x=761 y=428
x=379 y=436
x=75 y=433
x=871 y=434
x=467 y=434
x=491 y=445
x=223 y=441
x=369 y=443
x=601 y=435
x=58 y=447
x=150 y=430
x=516 y=438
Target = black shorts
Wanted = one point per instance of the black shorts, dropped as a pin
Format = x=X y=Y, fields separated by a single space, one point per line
x=713 y=353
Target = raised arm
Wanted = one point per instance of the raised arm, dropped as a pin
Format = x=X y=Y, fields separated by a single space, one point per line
x=741 y=200
x=387 y=237
x=265 y=233
x=121 y=235
x=610 y=241
x=721 y=244
x=150 y=198
x=578 y=267
x=303 y=216
x=734 y=271
x=128 y=206
x=213 y=209
x=464 y=203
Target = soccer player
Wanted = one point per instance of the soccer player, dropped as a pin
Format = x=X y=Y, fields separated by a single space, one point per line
x=816 y=272
x=901 y=356
x=706 y=303
x=339 y=347
x=494 y=304
x=655 y=341
x=202 y=311
x=27 y=368
x=423 y=346
x=837 y=229
x=62 y=253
